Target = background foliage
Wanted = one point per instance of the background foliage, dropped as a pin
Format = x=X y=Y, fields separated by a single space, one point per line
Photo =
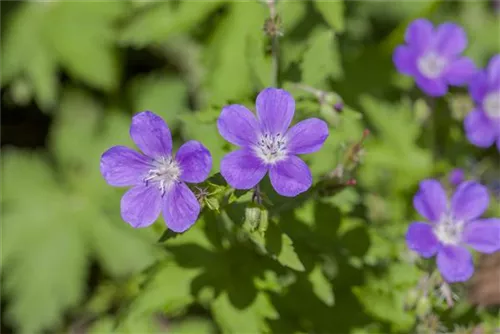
x=73 y=73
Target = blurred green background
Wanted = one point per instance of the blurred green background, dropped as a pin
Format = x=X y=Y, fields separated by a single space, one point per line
x=74 y=72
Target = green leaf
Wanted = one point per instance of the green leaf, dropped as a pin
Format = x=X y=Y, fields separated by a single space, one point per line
x=333 y=13
x=164 y=95
x=37 y=302
x=288 y=256
x=85 y=47
x=321 y=60
x=291 y=13
x=252 y=318
x=230 y=77
x=162 y=20
x=24 y=51
x=167 y=289
x=42 y=71
x=192 y=325
x=321 y=286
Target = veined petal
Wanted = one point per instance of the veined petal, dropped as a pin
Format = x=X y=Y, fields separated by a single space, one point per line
x=275 y=109
x=151 y=134
x=494 y=71
x=180 y=208
x=450 y=39
x=469 y=201
x=460 y=71
x=238 y=125
x=421 y=239
x=242 y=169
x=479 y=129
x=290 y=177
x=141 y=206
x=483 y=235
x=430 y=201
x=419 y=34
x=122 y=166
x=307 y=136
x=195 y=161
x=432 y=87
x=455 y=264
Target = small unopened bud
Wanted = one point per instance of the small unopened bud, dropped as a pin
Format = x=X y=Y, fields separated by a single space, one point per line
x=339 y=106
x=351 y=182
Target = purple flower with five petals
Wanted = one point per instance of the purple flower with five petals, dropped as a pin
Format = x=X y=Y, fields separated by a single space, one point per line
x=482 y=125
x=453 y=226
x=432 y=56
x=268 y=145
x=157 y=176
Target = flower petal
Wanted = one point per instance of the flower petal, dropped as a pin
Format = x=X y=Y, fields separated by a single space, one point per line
x=460 y=71
x=421 y=239
x=455 y=264
x=494 y=71
x=479 y=129
x=195 y=161
x=122 y=166
x=151 y=134
x=430 y=201
x=141 y=206
x=290 y=177
x=307 y=136
x=238 y=125
x=469 y=201
x=432 y=87
x=419 y=34
x=242 y=169
x=275 y=108
x=478 y=87
x=180 y=208
x=405 y=60
x=483 y=235
x=450 y=39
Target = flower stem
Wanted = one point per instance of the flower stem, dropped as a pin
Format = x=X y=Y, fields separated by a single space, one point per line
x=275 y=45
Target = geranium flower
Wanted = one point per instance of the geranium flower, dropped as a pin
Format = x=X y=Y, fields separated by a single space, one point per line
x=157 y=176
x=268 y=145
x=432 y=56
x=482 y=125
x=453 y=226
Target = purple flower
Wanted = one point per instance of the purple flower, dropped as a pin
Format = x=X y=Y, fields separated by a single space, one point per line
x=452 y=226
x=157 y=176
x=456 y=176
x=432 y=56
x=482 y=125
x=267 y=144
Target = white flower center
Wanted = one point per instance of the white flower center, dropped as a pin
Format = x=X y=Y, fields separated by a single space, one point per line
x=449 y=231
x=164 y=174
x=271 y=148
x=431 y=65
x=491 y=104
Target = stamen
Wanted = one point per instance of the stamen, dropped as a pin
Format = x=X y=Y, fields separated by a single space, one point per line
x=431 y=65
x=164 y=173
x=271 y=148
x=449 y=231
